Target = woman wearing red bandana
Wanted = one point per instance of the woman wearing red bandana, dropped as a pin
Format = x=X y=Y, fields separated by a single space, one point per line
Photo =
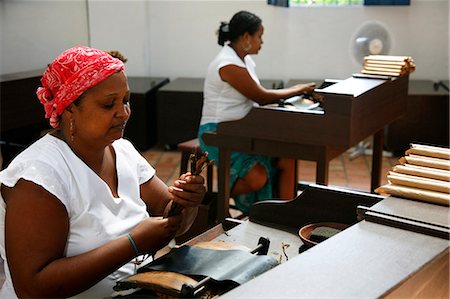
x=80 y=206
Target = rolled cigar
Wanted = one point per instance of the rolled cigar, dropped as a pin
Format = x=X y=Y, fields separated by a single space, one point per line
x=383 y=73
x=425 y=161
x=420 y=171
x=382 y=68
x=429 y=151
x=384 y=62
x=415 y=193
x=418 y=182
x=389 y=57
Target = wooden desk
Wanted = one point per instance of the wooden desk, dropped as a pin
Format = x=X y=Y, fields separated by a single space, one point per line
x=279 y=221
x=367 y=260
x=22 y=116
x=179 y=106
x=426 y=119
x=141 y=128
x=371 y=259
x=20 y=106
x=353 y=109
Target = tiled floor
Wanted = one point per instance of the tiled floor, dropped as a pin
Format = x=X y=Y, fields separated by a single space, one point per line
x=344 y=172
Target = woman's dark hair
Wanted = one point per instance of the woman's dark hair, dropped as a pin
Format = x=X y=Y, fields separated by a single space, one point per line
x=239 y=24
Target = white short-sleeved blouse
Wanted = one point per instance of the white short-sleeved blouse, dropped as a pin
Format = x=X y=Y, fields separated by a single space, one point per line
x=221 y=101
x=96 y=216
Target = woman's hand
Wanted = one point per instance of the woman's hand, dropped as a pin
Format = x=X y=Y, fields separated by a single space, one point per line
x=306 y=88
x=189 y=190
x=187 y=193
x=154 y=233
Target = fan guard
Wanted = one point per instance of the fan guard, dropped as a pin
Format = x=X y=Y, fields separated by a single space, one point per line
x=371 y=38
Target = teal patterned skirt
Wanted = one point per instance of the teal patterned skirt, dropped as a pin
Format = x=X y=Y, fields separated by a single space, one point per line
x=240 y=164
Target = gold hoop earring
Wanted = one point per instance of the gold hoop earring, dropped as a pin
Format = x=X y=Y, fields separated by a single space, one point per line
x=247 y=47
x=72 y=129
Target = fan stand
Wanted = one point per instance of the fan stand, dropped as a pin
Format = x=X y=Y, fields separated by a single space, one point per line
x=363 y=149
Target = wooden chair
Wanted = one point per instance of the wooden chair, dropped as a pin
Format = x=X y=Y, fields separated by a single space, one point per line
x=207 y=213
x=193 y=147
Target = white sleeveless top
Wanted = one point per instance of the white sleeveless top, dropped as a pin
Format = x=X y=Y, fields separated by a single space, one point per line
x=95 y=215
x=221 y=101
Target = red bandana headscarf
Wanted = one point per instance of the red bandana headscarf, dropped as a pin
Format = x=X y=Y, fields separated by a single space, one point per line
x=70 y=74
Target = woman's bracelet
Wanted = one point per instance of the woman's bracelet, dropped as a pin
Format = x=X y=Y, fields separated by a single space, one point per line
x=134 y=244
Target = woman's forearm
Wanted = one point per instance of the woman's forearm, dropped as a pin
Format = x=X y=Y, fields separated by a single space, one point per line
x=68 y=276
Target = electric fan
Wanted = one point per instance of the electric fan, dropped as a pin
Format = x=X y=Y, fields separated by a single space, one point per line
x=371 y=38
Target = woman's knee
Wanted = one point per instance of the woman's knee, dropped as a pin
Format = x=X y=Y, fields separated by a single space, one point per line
x=257 y=177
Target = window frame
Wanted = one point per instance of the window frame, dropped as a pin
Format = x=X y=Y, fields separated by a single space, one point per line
x=287 y=3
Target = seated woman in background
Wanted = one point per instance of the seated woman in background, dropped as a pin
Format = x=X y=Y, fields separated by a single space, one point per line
x=231 y=89
x=80 y=208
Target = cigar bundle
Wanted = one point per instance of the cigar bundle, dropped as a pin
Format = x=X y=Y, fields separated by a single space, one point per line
x=423 y=174
x=386 y=65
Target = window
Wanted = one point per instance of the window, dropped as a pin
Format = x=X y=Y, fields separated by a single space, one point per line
x=287 y=3
x=386 y=2
x=325 y=2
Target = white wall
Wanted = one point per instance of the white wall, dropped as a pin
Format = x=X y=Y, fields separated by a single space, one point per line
x=123 y=26
x=34 y=32
x=177 y=38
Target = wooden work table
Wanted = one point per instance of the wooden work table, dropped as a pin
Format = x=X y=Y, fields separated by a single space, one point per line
x=393 y=247
x=179 y=109
x=22 y=116
x=426 y=119
x=367 y=260
x=20 y=105
x=352 y=110
x=141 y=128
x=394 y=253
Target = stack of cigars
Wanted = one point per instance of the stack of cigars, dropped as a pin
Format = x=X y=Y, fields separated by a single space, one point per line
x=423 y=174
x=386 y=65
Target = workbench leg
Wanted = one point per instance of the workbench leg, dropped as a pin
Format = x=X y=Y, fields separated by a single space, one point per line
x=295 y=179
x=322 y=171
x=377 y=159
x=223 y=188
